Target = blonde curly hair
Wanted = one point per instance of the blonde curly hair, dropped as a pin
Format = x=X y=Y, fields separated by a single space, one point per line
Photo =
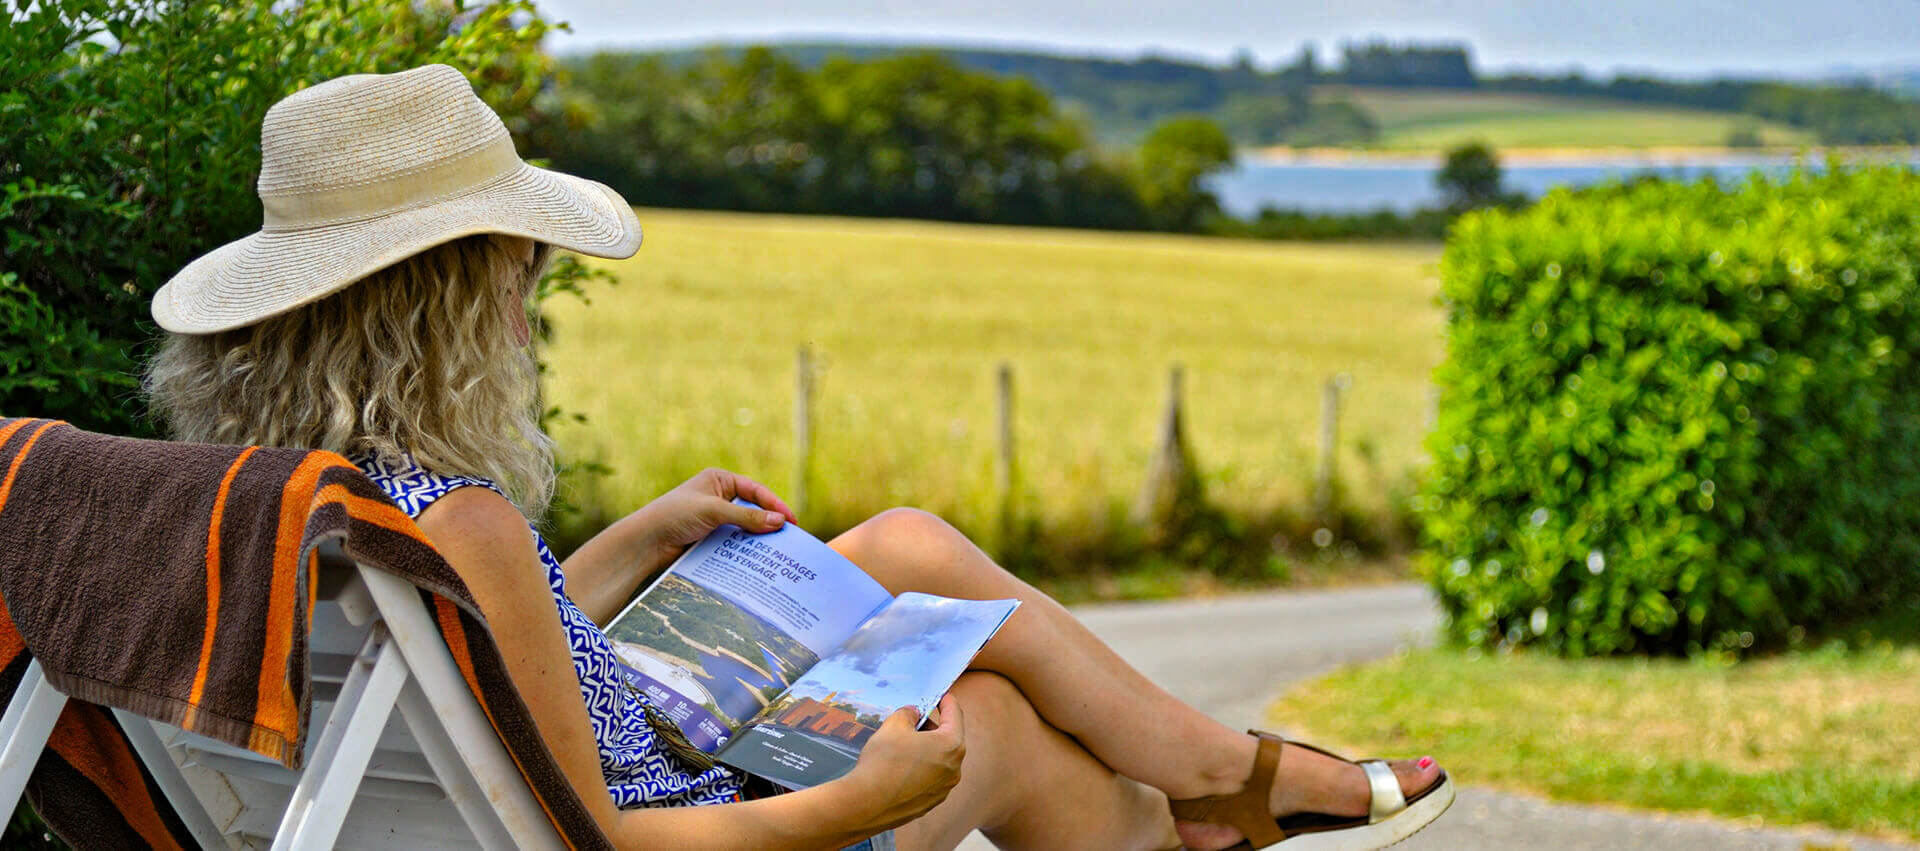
x=418 y=359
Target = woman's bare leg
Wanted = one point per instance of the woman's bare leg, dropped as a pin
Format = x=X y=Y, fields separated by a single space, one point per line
x=1027 y=785
x=1082 y=687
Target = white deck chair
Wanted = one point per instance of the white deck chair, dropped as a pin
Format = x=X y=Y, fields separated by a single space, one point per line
x=434 y=775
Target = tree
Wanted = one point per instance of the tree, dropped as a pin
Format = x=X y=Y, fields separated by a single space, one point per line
x=1470 y=178
x=1382 y=64
x=918 y=136
x=1308 y=65
x=1175 y=159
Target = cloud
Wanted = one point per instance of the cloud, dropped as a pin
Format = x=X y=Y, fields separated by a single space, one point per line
x=916 y=626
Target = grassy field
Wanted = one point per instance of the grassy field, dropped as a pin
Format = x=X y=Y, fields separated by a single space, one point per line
x=1823 y=735
x=689 y=362
x=1433 y=119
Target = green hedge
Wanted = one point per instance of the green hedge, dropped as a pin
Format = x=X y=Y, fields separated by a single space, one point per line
x=1678 y=418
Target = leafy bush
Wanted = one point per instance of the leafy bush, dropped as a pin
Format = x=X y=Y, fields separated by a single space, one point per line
x=132 y=139
x=1676 y=418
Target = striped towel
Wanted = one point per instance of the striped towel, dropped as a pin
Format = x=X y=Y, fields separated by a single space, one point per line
x=177 y=581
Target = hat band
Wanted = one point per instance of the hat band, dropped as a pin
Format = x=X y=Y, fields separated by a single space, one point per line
x=394 y=193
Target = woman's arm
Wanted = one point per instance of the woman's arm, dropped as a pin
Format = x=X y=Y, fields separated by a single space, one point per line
x=604 y=573
x=488 y=543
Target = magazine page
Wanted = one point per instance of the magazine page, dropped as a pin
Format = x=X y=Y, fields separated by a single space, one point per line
x=908 y=654
x=734 y=621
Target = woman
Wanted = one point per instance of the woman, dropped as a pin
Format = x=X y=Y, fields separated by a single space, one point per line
x=381 y=313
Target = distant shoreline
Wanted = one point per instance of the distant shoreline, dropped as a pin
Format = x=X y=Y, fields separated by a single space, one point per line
x=1653 y=157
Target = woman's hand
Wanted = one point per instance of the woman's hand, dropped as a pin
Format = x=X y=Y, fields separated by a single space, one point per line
x=603 y=573
x=904 y=772
x=688 y=513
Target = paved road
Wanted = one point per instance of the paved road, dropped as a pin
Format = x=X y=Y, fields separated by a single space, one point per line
x=1232 y=656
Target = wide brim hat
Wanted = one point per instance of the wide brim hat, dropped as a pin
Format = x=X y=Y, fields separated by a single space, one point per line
x=361 y=172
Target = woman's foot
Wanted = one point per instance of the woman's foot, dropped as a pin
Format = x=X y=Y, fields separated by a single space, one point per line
x=1311 y=782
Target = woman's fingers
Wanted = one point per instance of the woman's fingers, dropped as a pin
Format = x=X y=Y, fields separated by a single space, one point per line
x=764 y=497
x=905 y=716
x=735 y=485
x=950 y=720
x=747 y=517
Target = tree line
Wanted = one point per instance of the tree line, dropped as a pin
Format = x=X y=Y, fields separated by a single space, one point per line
x=917 y=136
x=1121 y=100
x=902 y=136
x=1286 y=104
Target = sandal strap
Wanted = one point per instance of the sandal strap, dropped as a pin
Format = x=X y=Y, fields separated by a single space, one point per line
x=1387 y=798
x=1247 y=810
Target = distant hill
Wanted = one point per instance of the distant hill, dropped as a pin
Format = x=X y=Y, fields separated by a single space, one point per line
x=1426 y=96
x=1901 y=80
x=1437 y=119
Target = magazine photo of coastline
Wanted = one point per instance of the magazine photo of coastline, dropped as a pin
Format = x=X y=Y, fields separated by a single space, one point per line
x=908 y=654
x=707 y=651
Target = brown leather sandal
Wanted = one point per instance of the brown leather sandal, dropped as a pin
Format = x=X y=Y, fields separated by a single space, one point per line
x=1393 y=817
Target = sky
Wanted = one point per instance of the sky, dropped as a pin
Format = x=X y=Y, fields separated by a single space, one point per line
x=920 y=639
x=1676 y=37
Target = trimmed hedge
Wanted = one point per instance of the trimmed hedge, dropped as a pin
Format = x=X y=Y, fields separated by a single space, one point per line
x=1678 y=417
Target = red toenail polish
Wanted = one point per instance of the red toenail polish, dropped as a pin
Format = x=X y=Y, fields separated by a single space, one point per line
x=1426 y=762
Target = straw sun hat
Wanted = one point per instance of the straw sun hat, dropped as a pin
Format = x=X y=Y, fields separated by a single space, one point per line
x=360 y=172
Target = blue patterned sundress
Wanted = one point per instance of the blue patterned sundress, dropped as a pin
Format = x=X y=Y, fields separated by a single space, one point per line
x=639 y=771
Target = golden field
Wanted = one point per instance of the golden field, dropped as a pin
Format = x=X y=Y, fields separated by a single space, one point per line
x=690 y=361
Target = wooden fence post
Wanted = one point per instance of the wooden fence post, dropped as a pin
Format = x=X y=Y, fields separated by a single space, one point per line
x=1172 y=488
x=802 y=428
x=1003 y=465
x=1003 y=469
x=1324 y=472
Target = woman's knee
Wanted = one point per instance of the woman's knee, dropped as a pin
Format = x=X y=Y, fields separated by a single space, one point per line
x=902 y=524
x=999 y=704
x=904 y=541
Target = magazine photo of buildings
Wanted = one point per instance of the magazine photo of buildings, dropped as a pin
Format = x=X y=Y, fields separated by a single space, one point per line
x=810 y=735
x=708 y=649
x=833 y=715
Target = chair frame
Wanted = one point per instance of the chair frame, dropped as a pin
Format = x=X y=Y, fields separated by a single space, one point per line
x=404 y=664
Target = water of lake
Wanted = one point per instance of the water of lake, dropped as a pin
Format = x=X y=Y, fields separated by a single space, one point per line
x=1403 y=185
x=724 y=675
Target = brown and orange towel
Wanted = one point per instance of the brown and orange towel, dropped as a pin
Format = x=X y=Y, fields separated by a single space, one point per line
x=176 y=581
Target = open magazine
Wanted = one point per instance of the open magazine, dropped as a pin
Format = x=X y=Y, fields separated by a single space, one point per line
x=781 y=658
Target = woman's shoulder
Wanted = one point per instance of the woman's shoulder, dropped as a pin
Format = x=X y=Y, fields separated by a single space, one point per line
x=478 y=516
x=471 y=523
x=412 y=486
x=497 y=556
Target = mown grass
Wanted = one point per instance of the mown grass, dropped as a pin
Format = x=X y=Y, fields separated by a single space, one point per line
x=1823 y=735
x=1435 y=119
x=689 y=362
